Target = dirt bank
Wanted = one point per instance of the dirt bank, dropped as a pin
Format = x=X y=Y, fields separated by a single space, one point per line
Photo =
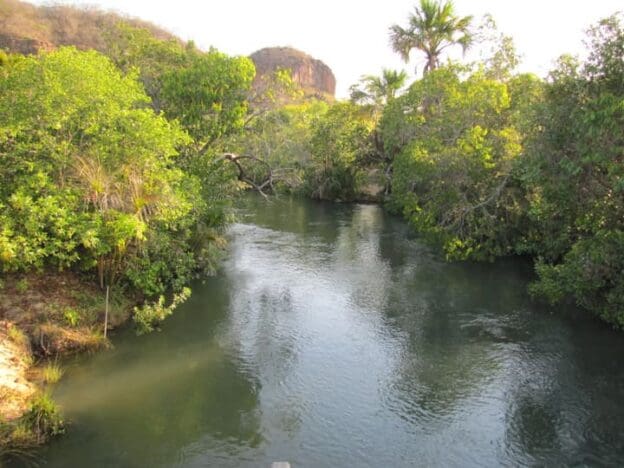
x=15 y=360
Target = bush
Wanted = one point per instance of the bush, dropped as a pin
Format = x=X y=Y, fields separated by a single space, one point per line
x=44 y=418
x=148 y=316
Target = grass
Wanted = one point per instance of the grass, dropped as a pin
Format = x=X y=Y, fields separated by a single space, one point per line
x=22 y=285
x=51 y=373
x=43 y=418
x=17 y=336
x=71 y=316
x=17 y=438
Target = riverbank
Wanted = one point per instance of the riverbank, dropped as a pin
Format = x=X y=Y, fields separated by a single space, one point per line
x=43 y=318
x=16 y=389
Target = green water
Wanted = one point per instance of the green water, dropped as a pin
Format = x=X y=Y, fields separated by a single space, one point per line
x=330 y=338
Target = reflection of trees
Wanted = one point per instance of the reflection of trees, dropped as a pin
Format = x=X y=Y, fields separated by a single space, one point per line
x=356 y=260
x=456 y=318
x=146 y=401
x=563 y=397
x=305 y=218
x=240 y=362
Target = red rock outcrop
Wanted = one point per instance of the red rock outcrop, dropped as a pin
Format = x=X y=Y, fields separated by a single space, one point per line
x=314 y=76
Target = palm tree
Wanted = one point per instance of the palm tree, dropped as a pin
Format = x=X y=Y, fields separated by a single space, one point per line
x=379 y=89
x=433 y=28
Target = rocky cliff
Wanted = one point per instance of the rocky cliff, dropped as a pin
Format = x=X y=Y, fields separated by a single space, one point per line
x=314 y=76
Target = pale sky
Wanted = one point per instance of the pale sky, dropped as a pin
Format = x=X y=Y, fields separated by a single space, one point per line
x=351 y=36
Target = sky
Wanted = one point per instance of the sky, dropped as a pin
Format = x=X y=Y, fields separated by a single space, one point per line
x=351 y=36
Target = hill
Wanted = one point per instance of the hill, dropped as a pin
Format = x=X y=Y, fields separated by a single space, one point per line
x=26 y=28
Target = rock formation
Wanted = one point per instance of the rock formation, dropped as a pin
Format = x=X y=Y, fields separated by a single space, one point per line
x=314 y=76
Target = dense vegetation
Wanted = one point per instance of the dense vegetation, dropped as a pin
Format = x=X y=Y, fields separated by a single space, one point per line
x=485 y=162
x=488 y=163
x=111 y=164
x=119 y=165
x=96 y=180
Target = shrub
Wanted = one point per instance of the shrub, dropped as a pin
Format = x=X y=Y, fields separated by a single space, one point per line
x=148 y=316
x=44 y=418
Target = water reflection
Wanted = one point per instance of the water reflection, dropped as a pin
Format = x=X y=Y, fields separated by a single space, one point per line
x=332 y=339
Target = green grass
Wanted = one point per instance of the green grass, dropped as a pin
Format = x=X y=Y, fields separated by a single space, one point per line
x=71 y=316
x=19 y=438
x=44 y=418
x=51 y=373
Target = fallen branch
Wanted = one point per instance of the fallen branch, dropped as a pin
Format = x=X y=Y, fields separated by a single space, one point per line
x=243 y=176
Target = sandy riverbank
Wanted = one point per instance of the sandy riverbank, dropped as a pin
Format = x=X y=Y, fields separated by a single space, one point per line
x=15 y=360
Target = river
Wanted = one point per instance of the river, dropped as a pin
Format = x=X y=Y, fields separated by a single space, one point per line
x=333 y=338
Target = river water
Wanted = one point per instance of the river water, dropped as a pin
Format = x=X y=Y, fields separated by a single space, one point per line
x=331 y=337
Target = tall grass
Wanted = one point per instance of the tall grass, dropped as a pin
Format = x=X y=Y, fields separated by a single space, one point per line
x=51 y=373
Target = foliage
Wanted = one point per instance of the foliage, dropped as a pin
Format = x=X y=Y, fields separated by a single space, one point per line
x=433 y=27
x=71 y=316
x=573 y=175
x=22 y=285
x=132 y=48
x=499 y=57
x=455 y=149
x=208 y=97
x=44 y=418
x=88 y=171
x=378 y=90
x=209 y=94
x=51 y=373
x=149 y=316
x=281 y=137
x=341 y=139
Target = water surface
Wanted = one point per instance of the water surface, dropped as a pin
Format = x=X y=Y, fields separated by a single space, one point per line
x=332 y=338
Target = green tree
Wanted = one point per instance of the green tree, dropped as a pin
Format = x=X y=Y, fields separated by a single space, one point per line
x=573 y=176
x=209 y=96
x=453 y=162
x=378 y=90
x=132 y=48
x=280 y=139
x=87 y=171
x=341 y=140
x=432 y=28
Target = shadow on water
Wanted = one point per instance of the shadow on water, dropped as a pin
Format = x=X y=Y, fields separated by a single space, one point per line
x=331 y=338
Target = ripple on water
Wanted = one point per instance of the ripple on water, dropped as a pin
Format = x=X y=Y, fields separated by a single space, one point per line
x=330 y=339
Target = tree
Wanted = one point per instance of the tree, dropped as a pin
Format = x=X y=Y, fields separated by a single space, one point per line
x=340 y=142
x=573 y=175
x=453 y=162
x=209 y=96
x=378 y=90
x=88 y=176
x=131 y=48
x=280 y=142
x=432 y=28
